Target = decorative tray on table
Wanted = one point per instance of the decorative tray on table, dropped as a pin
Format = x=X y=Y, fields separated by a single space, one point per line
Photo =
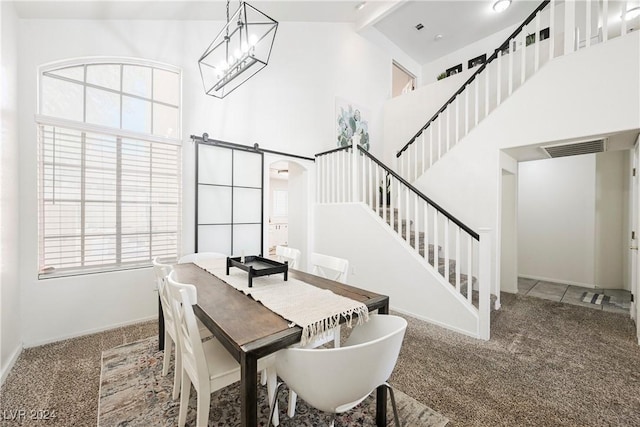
x=258 y=266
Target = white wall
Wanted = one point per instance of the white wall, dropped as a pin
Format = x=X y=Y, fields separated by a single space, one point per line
x=10 y=334
x=509 y=233
x=301 y=202
x=377 y=38
x=404 y=115
x=573 y=213
x=612 y=219
x=486 y=45
x=556 y=219
x=288 y=106
x=354 y=232
x=568 y=98
x=276 y=184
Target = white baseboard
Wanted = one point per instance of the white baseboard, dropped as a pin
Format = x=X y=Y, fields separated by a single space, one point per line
x=561 y=281
x=437 y=323
x=88 y=332
x=12 y=361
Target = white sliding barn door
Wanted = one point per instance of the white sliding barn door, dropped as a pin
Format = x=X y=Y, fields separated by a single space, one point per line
x=229 y=200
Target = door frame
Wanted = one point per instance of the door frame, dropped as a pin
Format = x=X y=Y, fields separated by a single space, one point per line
x=634 y=254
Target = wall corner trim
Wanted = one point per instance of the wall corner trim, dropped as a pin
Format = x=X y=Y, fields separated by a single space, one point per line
x=10 y=363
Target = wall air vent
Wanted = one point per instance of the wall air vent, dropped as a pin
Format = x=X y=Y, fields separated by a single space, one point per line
x=575 y=149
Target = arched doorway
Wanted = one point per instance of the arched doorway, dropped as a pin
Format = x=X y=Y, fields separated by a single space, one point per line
x=288 y=198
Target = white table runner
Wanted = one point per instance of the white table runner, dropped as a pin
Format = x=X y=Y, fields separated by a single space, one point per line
x=315 y=310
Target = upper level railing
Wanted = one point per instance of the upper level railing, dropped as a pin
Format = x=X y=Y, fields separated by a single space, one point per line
x=554 y=28
x=475 y=74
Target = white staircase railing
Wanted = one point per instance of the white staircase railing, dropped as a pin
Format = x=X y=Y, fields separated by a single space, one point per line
x=554 y=29
x=459 y=256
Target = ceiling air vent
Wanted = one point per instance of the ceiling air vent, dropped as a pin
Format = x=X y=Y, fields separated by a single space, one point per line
x=575 y=149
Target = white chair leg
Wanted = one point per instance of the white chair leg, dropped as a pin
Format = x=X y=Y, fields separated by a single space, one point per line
x=263 y=377
x=204 y=400
x=168 y=345
x=272 y=383
x=177 y=374
x=336 y=337
x=185 y=391
x=293 y=397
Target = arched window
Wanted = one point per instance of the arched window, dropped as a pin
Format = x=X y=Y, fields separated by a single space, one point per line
x=109 y=165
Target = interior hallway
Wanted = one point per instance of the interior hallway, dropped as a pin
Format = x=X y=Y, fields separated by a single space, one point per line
x=618 y=301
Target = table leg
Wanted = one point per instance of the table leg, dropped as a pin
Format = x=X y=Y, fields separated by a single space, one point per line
x=160 y=326
x=249 y=390
x=381 y=393
x=381 y=406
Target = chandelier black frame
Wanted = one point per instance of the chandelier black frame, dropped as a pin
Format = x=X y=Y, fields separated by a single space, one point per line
x=239 y=51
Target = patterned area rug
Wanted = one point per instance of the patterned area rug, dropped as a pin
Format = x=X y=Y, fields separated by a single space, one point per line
x=134 y=393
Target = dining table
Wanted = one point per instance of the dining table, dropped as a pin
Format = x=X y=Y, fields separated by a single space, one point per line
x=250 y=331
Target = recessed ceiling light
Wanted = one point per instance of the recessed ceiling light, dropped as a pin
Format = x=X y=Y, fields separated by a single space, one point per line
x=360 y=5
x=501 y=5
x=419 y=27
x=632 y=13
x=438 y=37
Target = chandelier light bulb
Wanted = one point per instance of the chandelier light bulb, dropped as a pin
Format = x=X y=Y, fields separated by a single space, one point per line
x=253 y=39
x=237 y=54
x=244 y=47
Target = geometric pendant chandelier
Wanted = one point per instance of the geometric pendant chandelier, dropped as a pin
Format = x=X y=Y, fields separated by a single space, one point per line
x=238 y=52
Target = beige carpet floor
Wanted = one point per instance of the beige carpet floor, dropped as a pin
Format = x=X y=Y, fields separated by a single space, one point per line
x=63 y=377
x=547 y=364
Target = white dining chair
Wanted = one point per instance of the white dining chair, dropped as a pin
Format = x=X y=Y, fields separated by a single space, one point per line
x=333 y=268
x=207 y=365
x=330 y=267
x=161 y=272
x=291 y=255
x=335 y=380
x=208 y=259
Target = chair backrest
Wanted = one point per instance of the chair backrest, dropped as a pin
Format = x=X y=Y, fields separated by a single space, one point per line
x=330 y=267
x=202 y=257
x=189 y=341
x=161 y=272
x=290 y=255
x=337 y=379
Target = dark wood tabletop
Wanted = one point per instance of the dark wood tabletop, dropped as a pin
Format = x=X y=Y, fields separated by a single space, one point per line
x=249 y=330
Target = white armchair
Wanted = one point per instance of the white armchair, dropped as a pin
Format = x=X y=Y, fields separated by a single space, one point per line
x=337 y=379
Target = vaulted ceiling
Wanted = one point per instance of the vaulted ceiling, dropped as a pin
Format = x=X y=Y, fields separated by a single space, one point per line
x=459 y=22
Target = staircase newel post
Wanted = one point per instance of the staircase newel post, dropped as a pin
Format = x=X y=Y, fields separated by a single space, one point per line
x=484 y=285
x=355 y=140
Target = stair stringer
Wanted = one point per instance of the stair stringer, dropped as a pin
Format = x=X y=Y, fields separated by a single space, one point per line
x=381 y=261
x=568 y=99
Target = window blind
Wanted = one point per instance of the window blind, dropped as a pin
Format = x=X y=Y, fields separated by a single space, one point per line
x=107 y=202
